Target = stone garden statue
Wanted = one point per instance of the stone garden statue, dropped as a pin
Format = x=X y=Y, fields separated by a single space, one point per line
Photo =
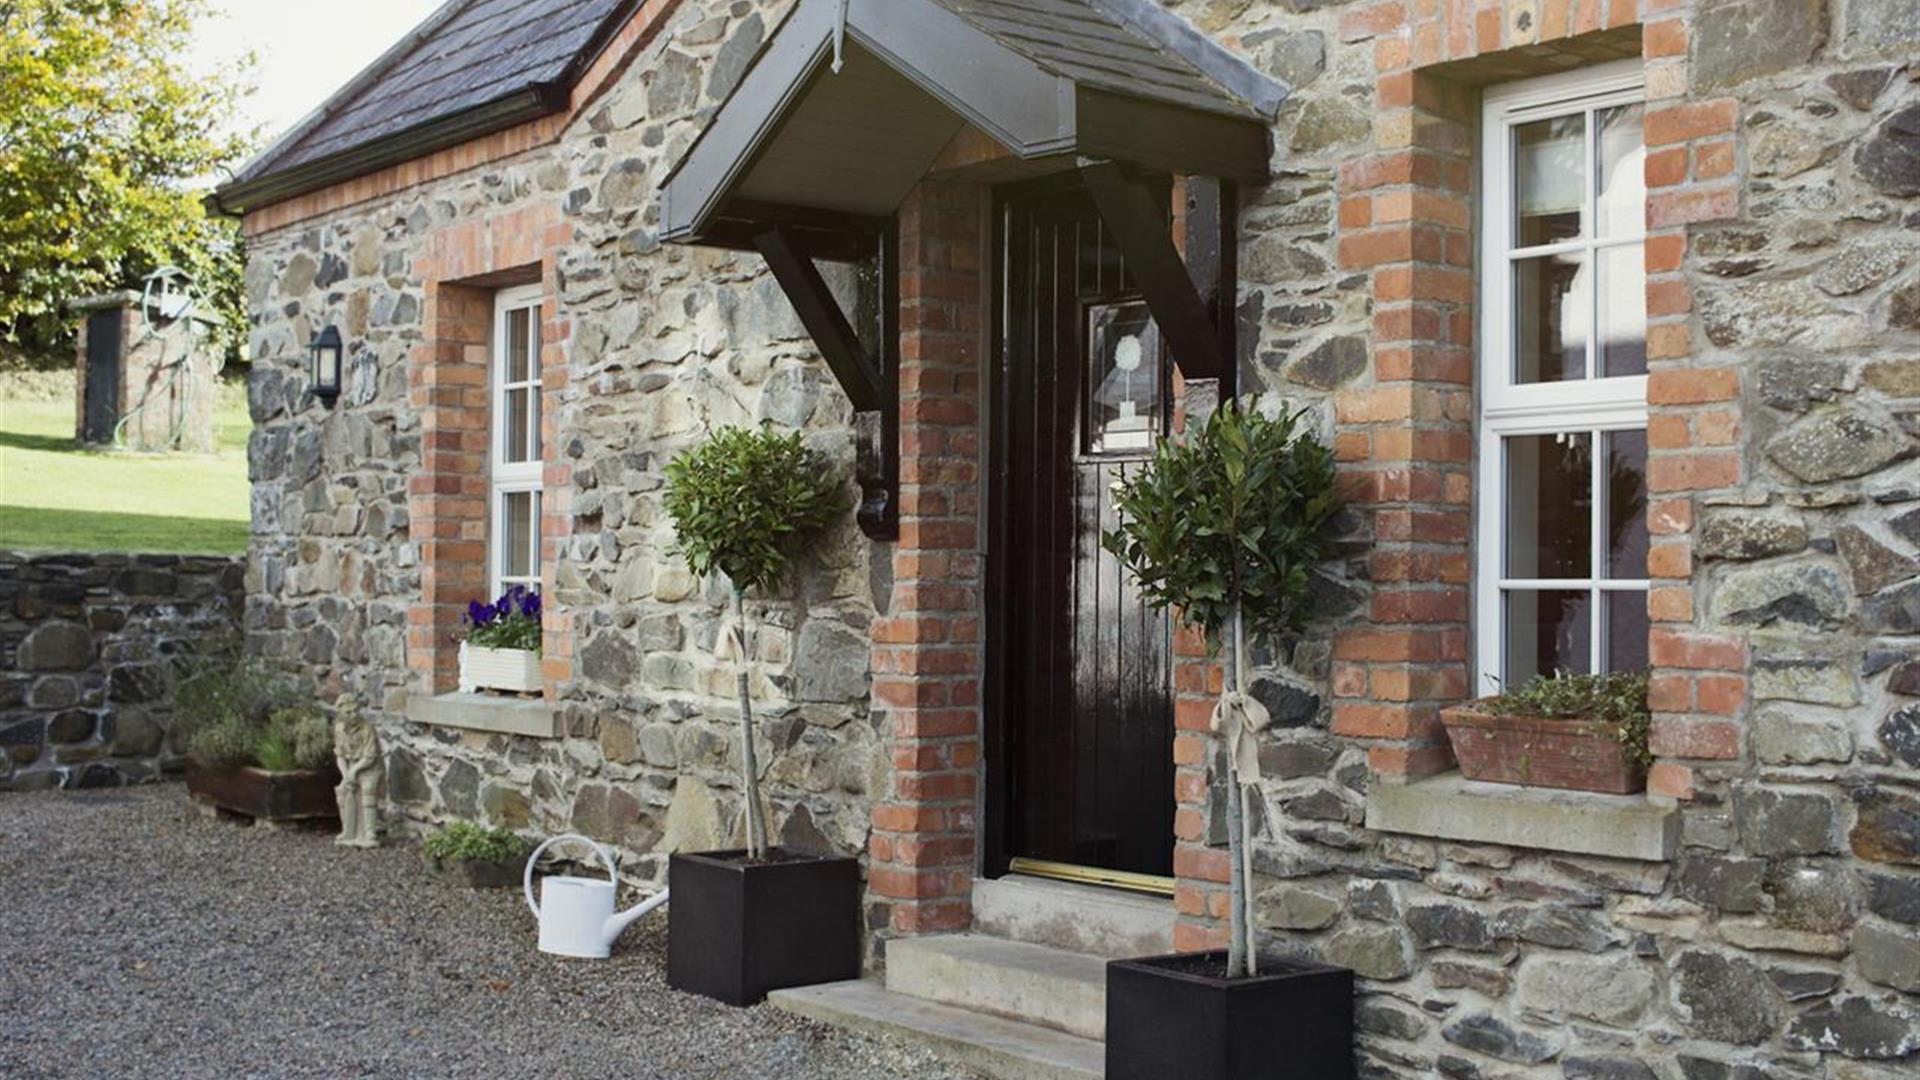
x=358 y=751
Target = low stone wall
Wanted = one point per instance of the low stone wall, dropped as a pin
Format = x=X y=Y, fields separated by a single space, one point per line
x=85 y=643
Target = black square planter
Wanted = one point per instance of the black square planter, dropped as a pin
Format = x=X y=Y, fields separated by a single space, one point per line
x=737 y=930
x=1169 y=1018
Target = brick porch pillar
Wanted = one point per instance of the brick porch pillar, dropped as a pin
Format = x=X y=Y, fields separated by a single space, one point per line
x=927 y=654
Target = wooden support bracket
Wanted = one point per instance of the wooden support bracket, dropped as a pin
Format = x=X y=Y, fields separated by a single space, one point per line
x=1193 y=328
x=871 y=382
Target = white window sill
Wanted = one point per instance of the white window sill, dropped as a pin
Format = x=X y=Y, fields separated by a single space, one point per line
x=486 y=712
x=1447 y=807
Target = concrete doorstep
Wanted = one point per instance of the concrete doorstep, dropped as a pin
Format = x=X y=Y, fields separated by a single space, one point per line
x=994 y=1045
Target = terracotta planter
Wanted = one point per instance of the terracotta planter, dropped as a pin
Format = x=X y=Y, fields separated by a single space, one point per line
x=266 y=796
x=516 y=671
x=1538 y=751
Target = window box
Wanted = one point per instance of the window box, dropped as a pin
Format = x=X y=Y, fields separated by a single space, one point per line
x=515 y=671
x=1540 y=751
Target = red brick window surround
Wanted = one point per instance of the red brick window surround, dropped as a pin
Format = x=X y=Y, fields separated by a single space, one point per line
x=1407 y=440
x=451 y=386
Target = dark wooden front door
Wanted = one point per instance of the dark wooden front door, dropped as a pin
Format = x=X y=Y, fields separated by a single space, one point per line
x=1082 y=690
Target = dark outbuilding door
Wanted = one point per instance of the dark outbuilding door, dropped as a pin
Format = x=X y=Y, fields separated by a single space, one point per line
x=101 y=404
x=1083 y=681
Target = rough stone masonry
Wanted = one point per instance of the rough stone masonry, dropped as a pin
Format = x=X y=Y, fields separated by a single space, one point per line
x=1783 y=940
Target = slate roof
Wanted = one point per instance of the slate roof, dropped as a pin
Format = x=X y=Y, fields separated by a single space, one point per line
x=504 y=59
x=1131 y=47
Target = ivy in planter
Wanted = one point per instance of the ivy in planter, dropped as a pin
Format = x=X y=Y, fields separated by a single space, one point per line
x=1614 y=703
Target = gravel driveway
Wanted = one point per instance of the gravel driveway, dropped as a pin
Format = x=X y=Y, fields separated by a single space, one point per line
x=140 y=939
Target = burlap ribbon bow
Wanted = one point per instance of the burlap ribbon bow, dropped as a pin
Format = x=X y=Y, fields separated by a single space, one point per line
x=1240 y=718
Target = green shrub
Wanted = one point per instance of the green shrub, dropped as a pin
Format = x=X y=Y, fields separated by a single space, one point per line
x=743 y=500
x=1235 y=517
x=234 y=713
x=463 y=840
x=1615 y=701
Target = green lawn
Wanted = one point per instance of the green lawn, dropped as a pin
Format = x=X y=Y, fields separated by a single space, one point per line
x=56 y=496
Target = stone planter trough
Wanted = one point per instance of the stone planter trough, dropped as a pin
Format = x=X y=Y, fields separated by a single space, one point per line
x=305 y=795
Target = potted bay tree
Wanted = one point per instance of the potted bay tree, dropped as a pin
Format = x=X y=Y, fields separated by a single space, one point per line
x=1225 y=528
x=747 y=921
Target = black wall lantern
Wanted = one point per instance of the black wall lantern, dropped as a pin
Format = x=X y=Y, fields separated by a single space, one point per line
x=324 y=367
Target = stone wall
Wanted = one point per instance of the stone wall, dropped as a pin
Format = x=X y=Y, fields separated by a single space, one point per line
x=1783 y=940
x=652 y=347
x=86 y=645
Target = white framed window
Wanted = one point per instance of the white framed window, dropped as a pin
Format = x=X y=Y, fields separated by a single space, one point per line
x=513 y=502
x=1562 y=521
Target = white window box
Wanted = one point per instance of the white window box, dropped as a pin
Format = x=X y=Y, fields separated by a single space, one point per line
x=516 y=671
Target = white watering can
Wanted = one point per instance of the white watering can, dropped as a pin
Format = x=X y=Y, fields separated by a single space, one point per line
x=576 y=913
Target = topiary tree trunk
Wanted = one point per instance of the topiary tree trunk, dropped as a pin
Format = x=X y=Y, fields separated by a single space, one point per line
x=749 y=761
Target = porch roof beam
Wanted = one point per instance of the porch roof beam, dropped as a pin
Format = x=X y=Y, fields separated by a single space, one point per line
x=1139 y=225
x=858 y=373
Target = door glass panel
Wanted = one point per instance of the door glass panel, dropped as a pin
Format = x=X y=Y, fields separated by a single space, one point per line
x=1621 y=187
x=1550 y=179
x=1123 y=406
x=1547 y=632
x=1550 y=324
x=1626 y=504
x=1622 y=311
x=1626 y=644
x=1549 y=493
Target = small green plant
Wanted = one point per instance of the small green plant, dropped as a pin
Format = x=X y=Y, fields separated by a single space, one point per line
x=241 y=713
x=466 y=842
x=1615 y=701
x=1226 y=527
x=742 y=504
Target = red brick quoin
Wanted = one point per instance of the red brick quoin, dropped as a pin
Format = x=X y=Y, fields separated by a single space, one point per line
x=927 y=656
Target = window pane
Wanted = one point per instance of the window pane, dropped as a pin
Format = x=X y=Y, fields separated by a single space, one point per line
x=1550 y=323
x=1549 y=501
x=518 y=356
x=1622 y=340
x=1626 y=504
x=1549 y=179
x=1123 y=387
x=1626 y=644
x=1547 y=632
x=517 y=535
x=1622 y=178
x=517 y=409
x=533 y=424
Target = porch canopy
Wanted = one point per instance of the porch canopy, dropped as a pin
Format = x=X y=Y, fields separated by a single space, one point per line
x=802 y=162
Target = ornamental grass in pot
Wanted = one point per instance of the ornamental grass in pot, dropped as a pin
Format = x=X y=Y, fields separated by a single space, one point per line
x=744 y=922
x=1225 y=527
x=501 y=647
x=1576 y=732
x=257 y=744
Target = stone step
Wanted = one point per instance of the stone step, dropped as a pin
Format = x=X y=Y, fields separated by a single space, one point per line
x=1007 y=1049
x=1016 y=980
x=1089 y=919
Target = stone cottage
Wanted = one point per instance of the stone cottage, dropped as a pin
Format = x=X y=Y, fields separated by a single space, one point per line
x=1610 y=308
